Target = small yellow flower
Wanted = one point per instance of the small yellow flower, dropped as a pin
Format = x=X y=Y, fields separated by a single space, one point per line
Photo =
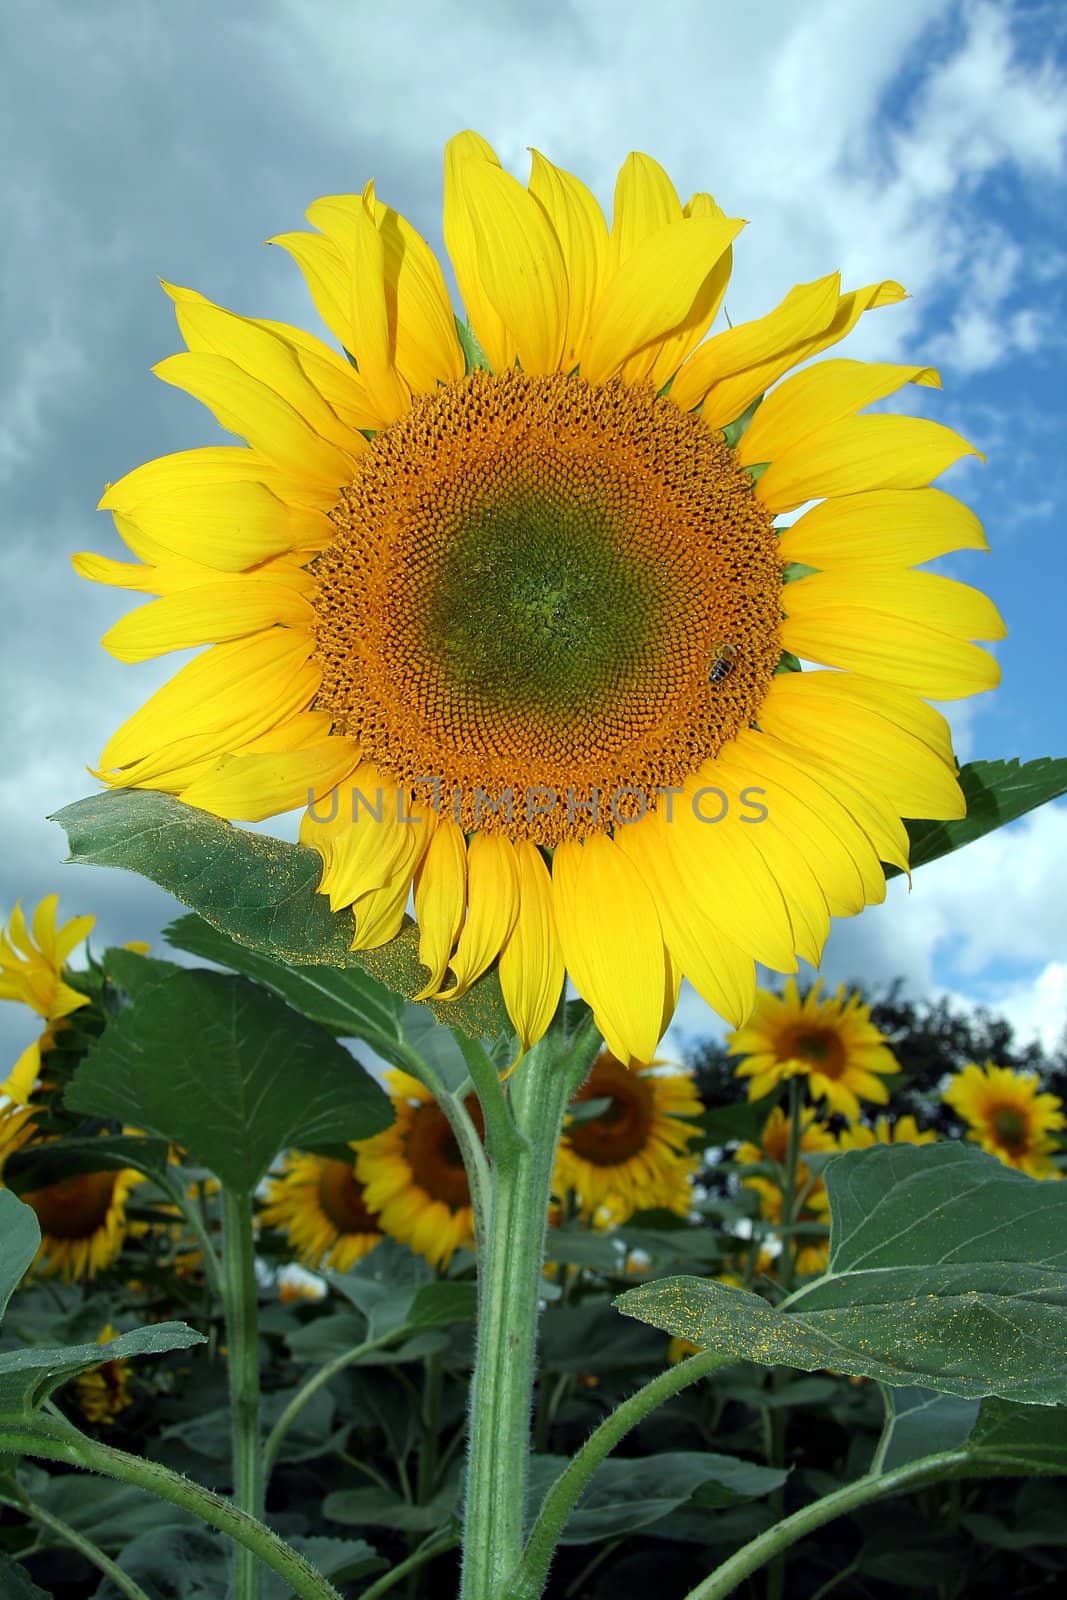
x=833 y=1043
x=31 y=971
x=104 y=1392
x=413 y=1174
x=634 y=1155
x=903 y=1130
x=680 y=1349
x=320 y=1206
x=1008 y=1116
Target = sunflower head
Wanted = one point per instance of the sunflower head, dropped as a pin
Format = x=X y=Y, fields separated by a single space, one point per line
x=508 y=607
x=830 y=1042
x=32 y=961
x=83 y=1222
x=1007 y=1114
x=632 y=1154
x=413 y=1174
x=320 y=1206
x=899 y=1130
x=104 y=1393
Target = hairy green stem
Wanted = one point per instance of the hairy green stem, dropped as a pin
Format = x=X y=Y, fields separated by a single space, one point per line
x=511 y=1257
x=193 y=1215
x=874 y=1486
x=57 y=1441
x=321 y=1376
x=77 y=1541
x=240 y=1302
x=527 y=1582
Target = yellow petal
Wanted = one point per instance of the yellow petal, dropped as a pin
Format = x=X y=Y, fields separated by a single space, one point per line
x=462 y=152
x=726 y=872
x=167 y=479
x=911 y=777
x=645 y=201
x=579 y=225
x=675 y=350
x=20 y=1081
x=871 y=811
x=375 y=348
x=328 y=282
x=943 y=603
x=519 y=263
x=245 y=406
x=658 y=291
x=754 y=347
x=883 y=527
x=885 y=699
x=206 y=614
x=860 y=453
x=493 y=906
x=804 y=404
x=531 y=962
x=917 y=657
x=249 y=788
x=333 y=376
x=366 y=834
x=210 y=329
x=720 y=971
x=609 y=930
x=440 y=897
x=231 y=693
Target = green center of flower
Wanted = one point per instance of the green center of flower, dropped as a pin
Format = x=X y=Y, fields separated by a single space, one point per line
x=1011 y=1127
x=541 y=605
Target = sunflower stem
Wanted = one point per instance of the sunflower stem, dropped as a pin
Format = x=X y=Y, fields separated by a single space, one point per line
x=241 y=1309
x=54 y=1440
x=77 y=1541
x=511 y=1257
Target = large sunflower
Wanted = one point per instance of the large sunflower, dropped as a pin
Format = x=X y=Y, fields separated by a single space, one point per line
x=82 y=1218
x=1007 y=1115
x=31 y=971
x=525 y=587
x=833 y=1043
x=633 y=1154
x=413 y=1175
x=319 y=1204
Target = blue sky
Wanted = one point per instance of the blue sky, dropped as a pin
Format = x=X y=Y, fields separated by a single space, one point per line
x=924 y=141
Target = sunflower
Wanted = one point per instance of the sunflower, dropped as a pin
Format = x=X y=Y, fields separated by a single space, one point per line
x=31 y=971
x=902 y=1130
x=105 y=1391
x=82 y=1218
x=632 y=1155
x=320 y=1206
x=413 y=1175
x=1007 y=1115
x=507 y=604
x=833 y=1043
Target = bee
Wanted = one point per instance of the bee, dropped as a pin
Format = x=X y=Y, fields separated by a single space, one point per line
x=722 y=662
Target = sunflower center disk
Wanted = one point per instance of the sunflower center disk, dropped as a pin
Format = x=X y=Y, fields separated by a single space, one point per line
x=434 y=1156
x=621 y=1130
x=1011 y=1127
x=341 y=1198
x=531 y=583
x=74 y=1208
x=821 y=1048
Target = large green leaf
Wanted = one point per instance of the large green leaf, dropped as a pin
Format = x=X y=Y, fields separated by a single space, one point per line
x=260 y=891
x=220 y=1066
x=28 y=1376
x=946 y=1270
x=1019 y=1440
x=626 y=1494
x=920 y=1422
x=997 y=792
x=20 y=1234
x=345 y=1000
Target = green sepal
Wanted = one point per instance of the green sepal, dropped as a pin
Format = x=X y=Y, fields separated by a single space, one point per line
x=473 y=354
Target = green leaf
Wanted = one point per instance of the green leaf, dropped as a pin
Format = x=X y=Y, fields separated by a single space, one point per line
x=439 y=1305
x=473 y=354
x=382 y=1508
x=920 y=1422
x=741 y=1121
x=113 y=1514
x=340 y=1560
x=997 y=792
x=218 y=1065
x=28 y=1376
x=946 y=1269
x=346 y=1001
x=20 y=1234
x=16 y=1583
x=175 y=1562
x=260 y=891
x=588 y=1338
x=1020 y=1440
x=37 y=1166
x=624 y=1495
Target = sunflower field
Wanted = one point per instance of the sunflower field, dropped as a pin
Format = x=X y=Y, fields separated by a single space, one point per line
x=365 y=1238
